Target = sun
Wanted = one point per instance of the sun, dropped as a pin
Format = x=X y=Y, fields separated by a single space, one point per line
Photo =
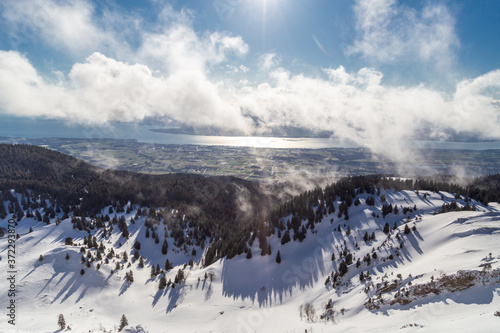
x=264 y=10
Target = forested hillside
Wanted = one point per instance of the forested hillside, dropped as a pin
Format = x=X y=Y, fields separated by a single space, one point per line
x=228 y=212
x=212 y=205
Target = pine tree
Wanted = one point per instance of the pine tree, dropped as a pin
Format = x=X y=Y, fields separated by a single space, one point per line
x=168 y=265
x=407 y=229
x=278 y=257
x=180 y=277
x=61 y=322
x=153 y=271
x=164 y=247
x=125 y=232
x=40 y=258
x=82 y=271
x=129 y=276
x=67 y=256
x=386 y=228
x=163 y=283
x=123 y=323
x=343 y=268
x=286 y=237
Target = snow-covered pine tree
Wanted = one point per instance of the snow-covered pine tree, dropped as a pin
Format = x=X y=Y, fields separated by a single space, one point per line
x=163 y=283
x=123 y=323
x=168 y=265
x=61 y=322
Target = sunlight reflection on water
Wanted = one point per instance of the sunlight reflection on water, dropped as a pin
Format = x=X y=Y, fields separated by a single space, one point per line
x=42 y=128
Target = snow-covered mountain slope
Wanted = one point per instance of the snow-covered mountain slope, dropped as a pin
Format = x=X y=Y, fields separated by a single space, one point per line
x=443 y=276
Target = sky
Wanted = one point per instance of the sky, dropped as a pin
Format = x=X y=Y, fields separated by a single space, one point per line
x=373 y=72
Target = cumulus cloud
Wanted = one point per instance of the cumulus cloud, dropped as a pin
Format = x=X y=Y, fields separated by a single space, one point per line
x=179 y=48
x=103 y=90
x=268 y=61
x=358 y=108
x=388 y=31
x=69 y=26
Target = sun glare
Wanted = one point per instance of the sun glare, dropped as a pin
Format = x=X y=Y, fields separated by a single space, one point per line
x=264 y=7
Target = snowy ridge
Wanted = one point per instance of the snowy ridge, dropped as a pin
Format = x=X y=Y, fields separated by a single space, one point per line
x=448 y=265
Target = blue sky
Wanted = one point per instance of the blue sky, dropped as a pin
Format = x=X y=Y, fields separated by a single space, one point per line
x=307 y=35
x=352 y=67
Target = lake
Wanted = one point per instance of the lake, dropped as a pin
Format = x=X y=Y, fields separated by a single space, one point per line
x=42 y=128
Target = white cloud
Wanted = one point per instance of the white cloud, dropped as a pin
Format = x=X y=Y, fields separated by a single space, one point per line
x=355 y=106
x=268 y=61
x=69 y=26
x=390 y=32
x=103 y=90
x=237 y=69
x=364 y=77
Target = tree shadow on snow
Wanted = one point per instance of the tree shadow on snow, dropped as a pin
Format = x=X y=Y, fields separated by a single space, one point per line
x=159 y=294
x=411 y=237
x=124 y=287
x=175 y=296
x=209 y=292
x=268 y=282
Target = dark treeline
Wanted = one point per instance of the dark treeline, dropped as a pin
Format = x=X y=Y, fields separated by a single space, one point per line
x=71 y=185
x=313 y=205
x=212 y=205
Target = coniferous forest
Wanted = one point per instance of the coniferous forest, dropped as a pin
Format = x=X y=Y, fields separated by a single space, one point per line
x=51 y=182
